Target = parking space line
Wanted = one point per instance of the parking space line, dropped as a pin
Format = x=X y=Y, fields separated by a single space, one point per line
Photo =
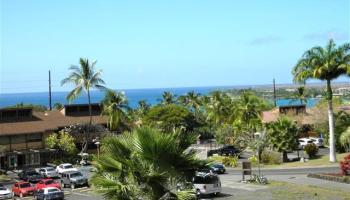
x=85 y=195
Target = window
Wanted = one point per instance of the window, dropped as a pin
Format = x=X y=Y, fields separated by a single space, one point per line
x=4 y=140
x=33 y=159
x=17 y=139
x=34 y=137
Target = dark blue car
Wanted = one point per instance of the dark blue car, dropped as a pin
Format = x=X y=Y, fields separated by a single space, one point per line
x=49 y=193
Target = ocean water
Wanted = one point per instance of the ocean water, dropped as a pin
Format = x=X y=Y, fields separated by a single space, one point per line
x=152 y=96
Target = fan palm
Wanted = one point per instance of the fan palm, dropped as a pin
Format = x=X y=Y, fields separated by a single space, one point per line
x=144 y=164
x=282 y=135
x=325 y=64
x=84 y=77
x=115 y=105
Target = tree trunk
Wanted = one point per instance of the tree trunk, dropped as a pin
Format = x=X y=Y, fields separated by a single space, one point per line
x=332 y=156
x=285 y=156
x=87 y=132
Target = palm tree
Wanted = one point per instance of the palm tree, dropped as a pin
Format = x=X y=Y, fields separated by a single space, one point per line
x=282 y=135
x=167 y=98
x=84 y=77
x=115 y=105
x=218 y=107
x=300 y=95
x=144 y=164
x=247 y=109
x=325 y=64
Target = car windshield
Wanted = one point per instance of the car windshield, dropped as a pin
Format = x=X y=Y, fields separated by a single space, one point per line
x=52 y=190
x=31 y=172
x=75 y=174
x=2 y=187
x=67 y=166
x=205 y=180
x=50 y=169
x=25 y=185
x=217 y=165
x=49 y=182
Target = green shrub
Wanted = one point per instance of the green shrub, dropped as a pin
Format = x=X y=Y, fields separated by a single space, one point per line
x=311 y=150
x=230 y=161
x=271 y=157
x=254 y=160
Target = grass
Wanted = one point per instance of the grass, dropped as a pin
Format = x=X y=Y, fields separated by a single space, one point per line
x=287 y=191
x=321 y=161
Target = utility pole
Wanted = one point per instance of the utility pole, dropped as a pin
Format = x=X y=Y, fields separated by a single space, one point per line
x=50 y=106
x=274 y=92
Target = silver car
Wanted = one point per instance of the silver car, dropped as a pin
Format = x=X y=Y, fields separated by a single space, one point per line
x=73 y=179
x=48 y=172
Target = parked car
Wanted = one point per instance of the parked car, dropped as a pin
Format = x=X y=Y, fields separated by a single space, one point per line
x=226 y=150
x=65 y=167
x=206 y=184
x=44 y=183
x=49 y=193
x=5 y=193
x=22 y=189
x=318 y=141
x=30 y=175
x=73 y=179
x=218 y=168
x=48 y=172
x=304 y=141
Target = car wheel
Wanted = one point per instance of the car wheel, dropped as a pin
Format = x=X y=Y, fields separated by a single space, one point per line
x=72 y=186
x=198 y=193
x=21 y=195
x=217 y=193
x=63 y=185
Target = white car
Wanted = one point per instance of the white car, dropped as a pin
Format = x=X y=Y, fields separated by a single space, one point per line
x=48 y=172
x=318 y=141
x=5 y=193
x=65 y=167
x=305 y=141
x=207 y=184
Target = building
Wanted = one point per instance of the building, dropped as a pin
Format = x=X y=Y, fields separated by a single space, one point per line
x=23 y=132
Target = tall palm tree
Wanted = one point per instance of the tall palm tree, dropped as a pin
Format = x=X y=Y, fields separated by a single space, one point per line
x=168 y=98
x=144 y=164
x=84 y=77
x=115 y=105
x=325 y=64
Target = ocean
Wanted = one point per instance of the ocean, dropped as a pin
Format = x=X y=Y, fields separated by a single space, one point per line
x=152 y=96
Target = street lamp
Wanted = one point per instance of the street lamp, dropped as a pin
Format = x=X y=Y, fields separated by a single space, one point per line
x=259 y=136
x=98 y=149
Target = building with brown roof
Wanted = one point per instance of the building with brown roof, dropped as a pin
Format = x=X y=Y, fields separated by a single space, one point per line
x=23 y=132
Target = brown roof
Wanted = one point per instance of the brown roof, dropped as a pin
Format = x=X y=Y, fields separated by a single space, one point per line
x=274 y=114
x=41 y=122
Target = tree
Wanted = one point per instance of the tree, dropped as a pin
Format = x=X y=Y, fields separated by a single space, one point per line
x=58 y=106
x=167 y=98
x=344 y=139
x=218 y=107
x=142 y=109
x=145 y=164
x=283 y=135
x=247 y=110
x=115 y=106
x=192 y=101
x=62 y=141
x=325 y=64
x=300 y=95
x=84 y=77
x=170 y=117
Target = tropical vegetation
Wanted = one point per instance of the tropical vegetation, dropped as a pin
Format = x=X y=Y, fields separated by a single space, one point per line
x=145 y=163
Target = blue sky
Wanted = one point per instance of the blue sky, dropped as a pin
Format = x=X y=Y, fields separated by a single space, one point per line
x=155 y=44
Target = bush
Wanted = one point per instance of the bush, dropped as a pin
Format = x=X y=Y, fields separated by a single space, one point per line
x=345 y=165
x=230 y=161
x=271 y=157
x=311 y=150
x=254 y=160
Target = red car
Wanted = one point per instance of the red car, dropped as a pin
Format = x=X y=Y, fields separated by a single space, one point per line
x=44 y=183
x=22 y=189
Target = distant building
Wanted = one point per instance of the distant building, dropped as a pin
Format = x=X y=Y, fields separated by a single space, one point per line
x=23 y=132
